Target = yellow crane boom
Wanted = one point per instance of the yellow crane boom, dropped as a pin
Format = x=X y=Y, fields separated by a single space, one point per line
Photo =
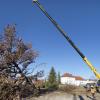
x=68 y=39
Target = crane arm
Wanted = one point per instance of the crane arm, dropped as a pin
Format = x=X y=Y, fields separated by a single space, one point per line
x=67 y=38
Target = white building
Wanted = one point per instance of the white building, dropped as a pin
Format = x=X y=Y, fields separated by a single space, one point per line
x=74 y=80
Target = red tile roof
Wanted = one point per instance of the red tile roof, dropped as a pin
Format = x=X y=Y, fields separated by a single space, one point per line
x=70 y=75
x=67 y=75
x=78 y=78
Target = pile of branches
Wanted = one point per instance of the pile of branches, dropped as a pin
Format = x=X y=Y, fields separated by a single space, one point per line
x=14 y=90
x=7 y=89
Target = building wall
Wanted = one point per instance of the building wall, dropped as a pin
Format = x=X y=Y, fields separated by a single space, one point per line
x=67 y=80
x=73 y=81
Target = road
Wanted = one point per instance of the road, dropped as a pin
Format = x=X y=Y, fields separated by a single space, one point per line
x=64 y=96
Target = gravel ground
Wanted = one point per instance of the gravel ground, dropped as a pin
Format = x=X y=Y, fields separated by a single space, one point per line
x=65 y=96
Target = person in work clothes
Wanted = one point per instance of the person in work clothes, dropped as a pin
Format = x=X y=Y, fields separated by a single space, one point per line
x=93 y=91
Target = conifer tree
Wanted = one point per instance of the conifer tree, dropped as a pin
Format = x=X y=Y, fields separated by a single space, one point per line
x=52 y=79
x=58 y=78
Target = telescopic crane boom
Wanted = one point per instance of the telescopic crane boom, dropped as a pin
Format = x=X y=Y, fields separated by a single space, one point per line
x=68 y=39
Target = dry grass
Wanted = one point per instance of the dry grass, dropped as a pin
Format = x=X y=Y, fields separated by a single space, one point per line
x=67 y=88
x=72 y=89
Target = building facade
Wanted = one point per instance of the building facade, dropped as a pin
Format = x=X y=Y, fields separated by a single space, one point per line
x=74 y=80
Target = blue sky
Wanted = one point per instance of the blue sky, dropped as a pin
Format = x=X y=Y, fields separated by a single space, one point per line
x=79 y=18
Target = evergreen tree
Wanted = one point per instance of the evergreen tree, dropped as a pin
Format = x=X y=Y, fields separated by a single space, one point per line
x=52 y=79
x=59 y=79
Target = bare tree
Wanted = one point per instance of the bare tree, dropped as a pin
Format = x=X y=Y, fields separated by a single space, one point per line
x=15 y=55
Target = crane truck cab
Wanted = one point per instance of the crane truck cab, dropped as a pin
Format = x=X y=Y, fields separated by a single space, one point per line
x=95 y=84
x=98 y=86
x=98 y=83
